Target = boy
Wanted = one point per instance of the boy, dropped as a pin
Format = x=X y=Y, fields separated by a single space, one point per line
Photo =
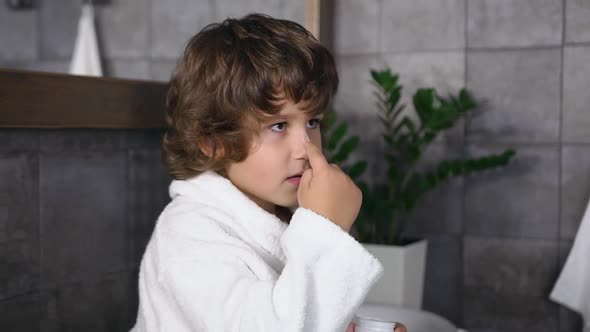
x=255 y=237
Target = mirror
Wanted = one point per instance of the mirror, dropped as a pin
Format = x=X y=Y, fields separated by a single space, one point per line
x=136 y=39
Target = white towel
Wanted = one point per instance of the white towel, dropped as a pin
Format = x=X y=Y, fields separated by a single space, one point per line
x=86 y=57
x=573 y=286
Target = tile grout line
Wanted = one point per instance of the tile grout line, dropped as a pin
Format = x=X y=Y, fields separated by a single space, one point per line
x=212 y=11
x=560 y=146
x=505 y=48
x=150 y=38
x=381 y=48
x=38 y=34
x=130 y=222
x=489 y=49
x=577 y=44
x=398 y=53
x=464 y=185
x=39 y=216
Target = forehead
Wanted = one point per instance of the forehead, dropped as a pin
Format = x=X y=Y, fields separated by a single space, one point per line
x=289 y=110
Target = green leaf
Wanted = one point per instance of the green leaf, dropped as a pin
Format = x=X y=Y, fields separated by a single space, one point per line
x=414 y=191
x=388 y=139
x=428 y=137
x=390 y=158
x=336 y=136
x=444 y=169
x=414 y=152
x=442 y=117
x=406 y=123
x=456 y=167
x=393 y=173
x=431 y=179
x=424 y=100
x=345 y=149
x=466 y=100
x=377 y=76
x=393 y=98
x=398 y=111
x=507 y=155
x=385 y=79
x=487 y=162
x=357 y=169
x=386 y=124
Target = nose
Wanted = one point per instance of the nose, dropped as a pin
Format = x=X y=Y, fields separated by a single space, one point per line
x=299 y=151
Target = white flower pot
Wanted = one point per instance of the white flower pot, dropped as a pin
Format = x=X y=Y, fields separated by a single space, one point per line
x=402 y=283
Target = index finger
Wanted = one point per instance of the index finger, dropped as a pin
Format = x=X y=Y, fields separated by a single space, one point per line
x=317 y=160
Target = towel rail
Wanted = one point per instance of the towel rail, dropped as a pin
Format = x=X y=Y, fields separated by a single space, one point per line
x=20 y=4
x=30 y=4
x=97 y=2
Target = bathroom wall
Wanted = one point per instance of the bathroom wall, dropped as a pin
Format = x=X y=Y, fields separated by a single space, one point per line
x=76 y=209
x=497 y=240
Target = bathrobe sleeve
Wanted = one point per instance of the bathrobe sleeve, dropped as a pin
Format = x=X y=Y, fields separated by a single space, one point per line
x=325 y=279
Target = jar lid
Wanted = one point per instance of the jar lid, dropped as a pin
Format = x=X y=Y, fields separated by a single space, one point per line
x=374 y=323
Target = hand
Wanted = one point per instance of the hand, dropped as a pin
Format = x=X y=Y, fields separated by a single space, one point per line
x=398 y=328
x=328 y=191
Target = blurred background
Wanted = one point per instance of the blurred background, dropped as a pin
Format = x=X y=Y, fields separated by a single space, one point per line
x=497 y=240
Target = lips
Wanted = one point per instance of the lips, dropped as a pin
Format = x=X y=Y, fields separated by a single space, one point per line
x=294 y=179
x=296 y=175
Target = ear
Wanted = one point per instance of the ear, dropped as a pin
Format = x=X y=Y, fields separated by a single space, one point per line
x=208 y=145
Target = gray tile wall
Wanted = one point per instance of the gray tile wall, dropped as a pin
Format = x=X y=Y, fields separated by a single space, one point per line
x=76 y=210
x=497 y=240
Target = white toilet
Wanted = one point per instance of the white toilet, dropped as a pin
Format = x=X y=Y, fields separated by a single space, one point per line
x=414 y=320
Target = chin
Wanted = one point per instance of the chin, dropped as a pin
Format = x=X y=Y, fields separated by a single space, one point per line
x=289 y=204
x=291 y=207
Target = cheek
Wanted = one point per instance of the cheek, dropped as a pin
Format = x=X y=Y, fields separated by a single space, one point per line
x=269 y=156
x=252 y=172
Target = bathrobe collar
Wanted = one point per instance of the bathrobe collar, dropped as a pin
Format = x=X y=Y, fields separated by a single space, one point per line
x=246 y=218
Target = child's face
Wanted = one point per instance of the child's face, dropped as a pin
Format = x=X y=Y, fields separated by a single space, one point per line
x=264 y=175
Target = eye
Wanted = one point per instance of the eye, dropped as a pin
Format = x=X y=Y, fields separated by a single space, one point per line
x=278 y=127
x=313 y=123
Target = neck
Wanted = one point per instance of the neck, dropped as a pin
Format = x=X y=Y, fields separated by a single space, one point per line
x=283 y=213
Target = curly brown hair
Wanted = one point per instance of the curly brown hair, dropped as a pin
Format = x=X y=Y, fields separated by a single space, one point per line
x=232 y=76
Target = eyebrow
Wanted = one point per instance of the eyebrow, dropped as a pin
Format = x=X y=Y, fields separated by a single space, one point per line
x=292 y=115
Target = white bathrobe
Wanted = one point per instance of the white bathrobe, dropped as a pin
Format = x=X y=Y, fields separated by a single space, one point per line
x=218 y=262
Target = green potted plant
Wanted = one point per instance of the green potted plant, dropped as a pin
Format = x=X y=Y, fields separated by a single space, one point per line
x=386 y=206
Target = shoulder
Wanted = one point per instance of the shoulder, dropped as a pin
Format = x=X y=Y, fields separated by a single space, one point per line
x=187 y=220
x=190 y=236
